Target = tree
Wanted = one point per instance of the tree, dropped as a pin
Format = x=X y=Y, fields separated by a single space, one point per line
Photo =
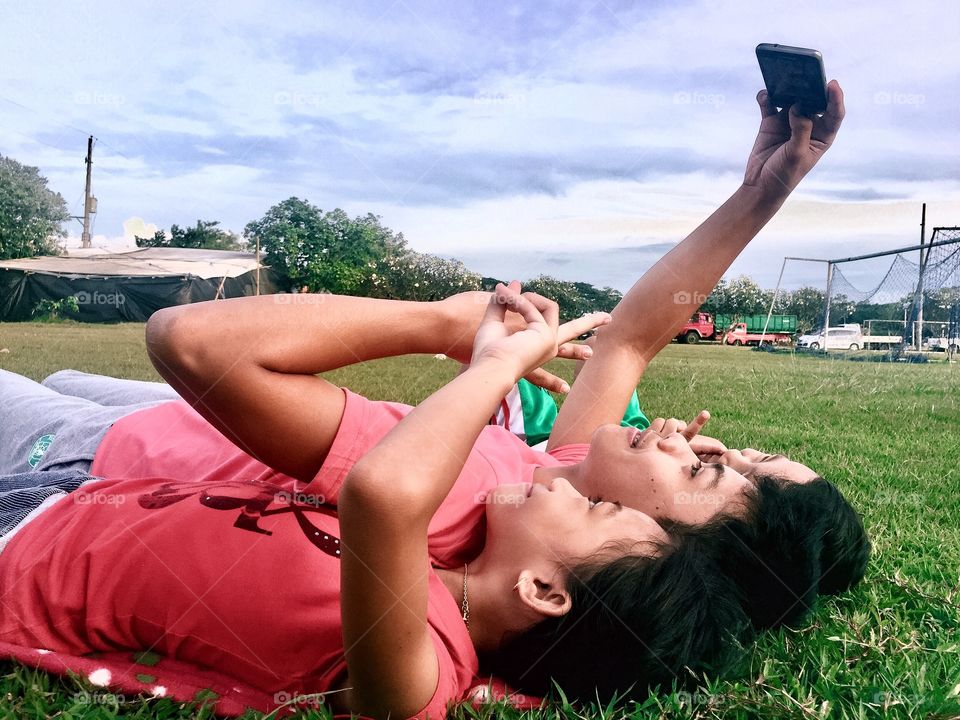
x=842 y=310
x=205 y=234
x=746 y=297
x=418 y=276
x=573 y=298
x=807 y=303
x=323 y=252
x=31 y=215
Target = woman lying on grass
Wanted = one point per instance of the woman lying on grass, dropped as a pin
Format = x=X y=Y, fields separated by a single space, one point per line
x=220 y=565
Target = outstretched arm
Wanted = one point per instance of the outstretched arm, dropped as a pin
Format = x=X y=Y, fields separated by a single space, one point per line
x=786 y=149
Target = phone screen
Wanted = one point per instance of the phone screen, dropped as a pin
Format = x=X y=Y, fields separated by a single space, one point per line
x=793 y=75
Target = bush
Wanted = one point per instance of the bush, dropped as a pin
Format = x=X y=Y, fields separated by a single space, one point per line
x=54 y=310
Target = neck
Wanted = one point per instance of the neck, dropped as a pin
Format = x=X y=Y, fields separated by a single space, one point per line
x=483 y=587
x=571 y=473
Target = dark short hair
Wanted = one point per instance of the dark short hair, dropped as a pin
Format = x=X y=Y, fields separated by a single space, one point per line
x=795 y=542
x=637 y=623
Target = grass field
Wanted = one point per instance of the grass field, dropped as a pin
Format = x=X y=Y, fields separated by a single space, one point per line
x=888 y=435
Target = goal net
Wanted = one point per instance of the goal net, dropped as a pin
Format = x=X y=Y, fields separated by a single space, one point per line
x=917 y=295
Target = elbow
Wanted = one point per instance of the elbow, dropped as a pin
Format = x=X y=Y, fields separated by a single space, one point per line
x=173 y=347
x=384 y=495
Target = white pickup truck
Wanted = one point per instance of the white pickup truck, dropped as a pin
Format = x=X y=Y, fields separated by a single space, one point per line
x=848 y=337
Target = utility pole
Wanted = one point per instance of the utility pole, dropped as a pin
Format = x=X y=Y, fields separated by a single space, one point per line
x=89 y=202
x=923 y=266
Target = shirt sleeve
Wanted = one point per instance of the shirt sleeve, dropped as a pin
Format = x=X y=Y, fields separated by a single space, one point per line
x=363 y=425
x=539 y=412
x=570 y=454
x=448 y=692
x=634 y=417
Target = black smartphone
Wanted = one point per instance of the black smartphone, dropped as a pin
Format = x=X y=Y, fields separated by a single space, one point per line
x=793 y=75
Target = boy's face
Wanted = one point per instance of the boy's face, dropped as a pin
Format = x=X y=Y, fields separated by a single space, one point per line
x=662 y=476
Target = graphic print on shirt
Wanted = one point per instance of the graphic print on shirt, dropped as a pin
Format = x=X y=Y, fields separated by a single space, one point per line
x=255 y=500
x=39 y=449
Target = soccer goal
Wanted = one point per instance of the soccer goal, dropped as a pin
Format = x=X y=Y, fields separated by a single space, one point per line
x=908 y=296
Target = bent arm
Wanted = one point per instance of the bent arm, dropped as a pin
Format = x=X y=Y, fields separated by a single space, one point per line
x=387 y=501
x=249 y=365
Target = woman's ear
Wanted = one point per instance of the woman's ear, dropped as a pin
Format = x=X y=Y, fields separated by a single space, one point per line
x=543 y=595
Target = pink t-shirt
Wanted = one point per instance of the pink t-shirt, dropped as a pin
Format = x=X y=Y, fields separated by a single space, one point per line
x=225 y=564
x=172 y=440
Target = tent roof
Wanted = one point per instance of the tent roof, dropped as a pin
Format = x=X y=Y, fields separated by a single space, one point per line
x=145 y=262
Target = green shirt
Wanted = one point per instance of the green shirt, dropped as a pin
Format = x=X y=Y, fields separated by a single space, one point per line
x=539 y=413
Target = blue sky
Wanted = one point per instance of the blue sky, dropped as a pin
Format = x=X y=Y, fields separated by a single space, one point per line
x=580 y=139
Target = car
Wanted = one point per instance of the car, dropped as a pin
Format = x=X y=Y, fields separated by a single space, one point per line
x=845 y=337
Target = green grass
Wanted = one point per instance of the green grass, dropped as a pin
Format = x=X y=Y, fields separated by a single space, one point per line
x=886 y=434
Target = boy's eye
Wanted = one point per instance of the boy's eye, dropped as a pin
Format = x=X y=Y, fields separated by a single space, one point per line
x=694 y=469
x=595 y=500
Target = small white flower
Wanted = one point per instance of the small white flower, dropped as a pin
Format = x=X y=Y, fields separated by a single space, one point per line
x=100 y=677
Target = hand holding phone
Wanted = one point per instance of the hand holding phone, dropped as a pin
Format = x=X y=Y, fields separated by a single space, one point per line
x=793 y=75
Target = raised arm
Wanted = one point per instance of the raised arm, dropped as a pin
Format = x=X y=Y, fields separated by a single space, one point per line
x=392 y=663
x=786 y=149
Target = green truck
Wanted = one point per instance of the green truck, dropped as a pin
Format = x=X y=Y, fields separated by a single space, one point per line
x=755 y=323
x=738 y=329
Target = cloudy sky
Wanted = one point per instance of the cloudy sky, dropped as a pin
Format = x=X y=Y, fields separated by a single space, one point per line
x=581 y=139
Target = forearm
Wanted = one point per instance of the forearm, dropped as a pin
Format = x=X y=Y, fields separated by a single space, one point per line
x=424 y=454
x=661 y=301
x=308 y=335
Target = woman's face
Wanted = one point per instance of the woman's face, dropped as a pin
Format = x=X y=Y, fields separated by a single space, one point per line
x=661 y=476
x=527 y=523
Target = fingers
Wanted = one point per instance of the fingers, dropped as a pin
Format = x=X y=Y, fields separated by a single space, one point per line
x=575 y=351
x=767 y=108
x=576 y=328
x=696 y=425
x=801 y=127
x=497 y=305
x=667 y=426
x=530 y=306
x=548 y=381
x=509 y=297
x=547 y=307
x=835 y=111
x=704 y=447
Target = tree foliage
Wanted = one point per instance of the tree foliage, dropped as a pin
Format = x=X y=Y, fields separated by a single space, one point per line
x=332 y=252
x=323 y=251
x=205 y=234
x=418 y=276
x=573 y=298
x=31 y=215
